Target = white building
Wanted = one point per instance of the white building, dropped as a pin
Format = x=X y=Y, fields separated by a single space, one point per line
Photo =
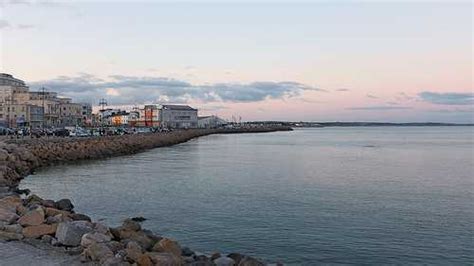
x=210 y=122
x=179 y=116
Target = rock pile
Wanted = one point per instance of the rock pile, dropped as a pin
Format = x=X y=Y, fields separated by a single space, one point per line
x=56 y=223
x=18 y=158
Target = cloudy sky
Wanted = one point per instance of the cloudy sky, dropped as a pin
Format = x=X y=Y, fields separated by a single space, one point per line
x=319 y=60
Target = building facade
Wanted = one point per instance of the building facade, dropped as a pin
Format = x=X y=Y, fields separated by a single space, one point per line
x=179 y=116
x=210 y=122
x=20 y=107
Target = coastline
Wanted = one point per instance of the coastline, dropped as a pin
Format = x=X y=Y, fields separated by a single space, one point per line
x=102 y=244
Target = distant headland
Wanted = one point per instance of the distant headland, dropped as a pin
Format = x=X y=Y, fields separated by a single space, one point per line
x=359 y=124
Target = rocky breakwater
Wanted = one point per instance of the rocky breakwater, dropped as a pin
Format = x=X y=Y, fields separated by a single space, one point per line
x=55 y=223
x=19 y=158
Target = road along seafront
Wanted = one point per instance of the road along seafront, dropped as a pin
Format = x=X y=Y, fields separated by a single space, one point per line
x=55 y=225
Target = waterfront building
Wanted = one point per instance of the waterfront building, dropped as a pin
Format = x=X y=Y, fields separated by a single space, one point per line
x=86 y=113
x=211 y=122
x=20 y=107
x=10 y=87
x=120 y=119
x=134 y=118
x=179 y=116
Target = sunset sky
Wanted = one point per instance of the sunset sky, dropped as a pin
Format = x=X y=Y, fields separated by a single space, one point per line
x=312 y=61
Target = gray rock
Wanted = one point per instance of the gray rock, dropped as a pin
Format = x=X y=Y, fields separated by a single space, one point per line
x=249 y=261
x=46 y=239
x=98 y=252
x=13 y=228
x=91 y=238
x=131 y=225
x=8 y=236
x=80 y=217
x=70 y=233
x=64 y=204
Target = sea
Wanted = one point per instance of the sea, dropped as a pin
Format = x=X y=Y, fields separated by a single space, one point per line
x=333 y=195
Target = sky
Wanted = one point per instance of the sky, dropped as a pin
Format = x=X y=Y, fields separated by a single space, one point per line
x=391 y=61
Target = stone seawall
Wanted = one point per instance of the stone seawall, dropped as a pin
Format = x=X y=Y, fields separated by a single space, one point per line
x=19 y=157
x=55 y=224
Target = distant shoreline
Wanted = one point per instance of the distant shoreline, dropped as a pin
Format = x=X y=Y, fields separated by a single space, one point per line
x=362 y=124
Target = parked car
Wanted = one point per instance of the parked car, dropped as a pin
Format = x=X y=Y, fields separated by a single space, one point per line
x=6 y=131
x=61 y=132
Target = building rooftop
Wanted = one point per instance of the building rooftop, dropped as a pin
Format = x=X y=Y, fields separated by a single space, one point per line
x=178 y=107
x=7 y=79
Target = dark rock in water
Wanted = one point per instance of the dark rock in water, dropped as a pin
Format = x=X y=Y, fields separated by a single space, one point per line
x=138 y=219
x=236 y=257
x=22 y=191
x=185 y=251
x=64 y=204
x=80 y=217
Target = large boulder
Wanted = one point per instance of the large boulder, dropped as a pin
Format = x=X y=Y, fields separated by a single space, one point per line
x=167 y=245
x=144 y=260
x=138 y=236
x=98 y=252
x=134 y=251
x=36 y=231
x=80 y=217
x=131 y=225
x=54 y=212
x=164 y=258
x=12 y=228
x=8 y=216
x=33 y=217
x=95 y=237
x=70 y=233
x=10 y=203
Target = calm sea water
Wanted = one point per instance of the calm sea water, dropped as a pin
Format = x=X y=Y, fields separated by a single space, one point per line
x=373 y=195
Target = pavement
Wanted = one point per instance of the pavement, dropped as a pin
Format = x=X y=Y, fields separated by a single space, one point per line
x=17 y=253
